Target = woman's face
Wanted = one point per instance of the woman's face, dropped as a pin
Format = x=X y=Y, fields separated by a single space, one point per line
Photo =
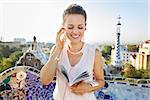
x=75 y=26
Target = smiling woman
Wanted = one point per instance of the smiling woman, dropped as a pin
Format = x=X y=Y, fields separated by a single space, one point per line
x=77 y=65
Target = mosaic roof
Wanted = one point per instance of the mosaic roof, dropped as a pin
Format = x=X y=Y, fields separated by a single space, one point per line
x=39 y=54
x=22 y=83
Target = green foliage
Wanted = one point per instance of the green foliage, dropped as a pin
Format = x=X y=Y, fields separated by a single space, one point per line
x=108 y=61
x=131 y=72
x=15 y=56
x=106 y=52
x=1 y=56
x=139 y=73
x=5 y=51
x=6 y=63
x=146 y=74
x=8 y=57
x=132 y=48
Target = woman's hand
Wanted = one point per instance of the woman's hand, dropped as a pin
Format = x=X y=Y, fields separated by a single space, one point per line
x=81 y=88
x=59 y=42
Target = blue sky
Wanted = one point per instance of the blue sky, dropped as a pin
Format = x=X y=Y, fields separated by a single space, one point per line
x=42 y=18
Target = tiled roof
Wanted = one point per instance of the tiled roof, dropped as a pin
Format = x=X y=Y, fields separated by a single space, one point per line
x=39 y=54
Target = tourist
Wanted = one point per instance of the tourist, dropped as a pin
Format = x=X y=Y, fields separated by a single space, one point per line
x=72 y=56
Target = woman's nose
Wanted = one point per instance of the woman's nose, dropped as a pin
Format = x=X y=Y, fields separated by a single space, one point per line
x=75 y=30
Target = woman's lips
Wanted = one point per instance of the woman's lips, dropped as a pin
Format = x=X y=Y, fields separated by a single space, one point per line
x=75 y=36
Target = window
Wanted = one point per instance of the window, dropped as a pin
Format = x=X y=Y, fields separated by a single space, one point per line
x=29 y=57
x=36 y=64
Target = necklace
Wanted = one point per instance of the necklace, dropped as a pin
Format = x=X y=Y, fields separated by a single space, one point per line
x=75 y=53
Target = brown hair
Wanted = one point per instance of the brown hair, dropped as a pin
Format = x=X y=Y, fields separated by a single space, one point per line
x=75 y=9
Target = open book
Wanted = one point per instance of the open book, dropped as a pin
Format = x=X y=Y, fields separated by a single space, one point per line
x=77 y=78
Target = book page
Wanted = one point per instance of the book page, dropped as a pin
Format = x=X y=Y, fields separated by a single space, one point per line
x=83 y=76
x=78 y=75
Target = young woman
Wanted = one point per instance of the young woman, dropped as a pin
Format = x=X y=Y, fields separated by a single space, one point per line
x=75 y=56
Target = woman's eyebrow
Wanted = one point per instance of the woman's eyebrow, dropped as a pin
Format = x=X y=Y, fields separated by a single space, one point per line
x=70 y=25
x=80 y=24
x=73 y=25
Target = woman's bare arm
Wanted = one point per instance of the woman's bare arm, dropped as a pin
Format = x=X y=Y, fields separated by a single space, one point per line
x=98 y=70
x=48 y=71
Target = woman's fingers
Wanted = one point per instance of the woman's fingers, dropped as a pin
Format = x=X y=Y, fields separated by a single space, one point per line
x=60 y=30
x=59 y=33
x=77 y=92
x=79 y=89
x=59 y=42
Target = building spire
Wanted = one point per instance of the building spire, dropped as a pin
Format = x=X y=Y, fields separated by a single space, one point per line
x=34 y=43
x=118 y=24
x=34 y=39
x=117 y=56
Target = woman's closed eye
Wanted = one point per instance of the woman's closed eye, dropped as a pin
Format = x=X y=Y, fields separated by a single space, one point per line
x=70 y=27
x=80 y=27
x=73 y=27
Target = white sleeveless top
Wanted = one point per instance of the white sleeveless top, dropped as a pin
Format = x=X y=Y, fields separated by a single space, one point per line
x=62 y=90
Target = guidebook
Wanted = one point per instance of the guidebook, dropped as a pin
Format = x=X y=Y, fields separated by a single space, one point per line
x=78 y=78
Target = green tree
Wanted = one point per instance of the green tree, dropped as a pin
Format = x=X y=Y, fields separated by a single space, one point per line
x=139 y=73
x=5 y=51
x=1 y=66
x=129 y=71
x=15 y=56
x=146 y=74
x=6 y=63
x=132 y=48
x=8 y=57
x=14 y=49
x=108 y=61
x=106 y=52
x=1 y=56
